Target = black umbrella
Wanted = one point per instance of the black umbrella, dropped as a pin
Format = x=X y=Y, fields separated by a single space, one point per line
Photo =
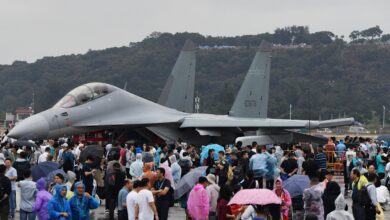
x=43 y=169
x=95 y=151
x=21 y=143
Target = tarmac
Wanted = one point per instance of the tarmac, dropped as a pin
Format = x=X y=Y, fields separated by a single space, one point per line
x=177 y=213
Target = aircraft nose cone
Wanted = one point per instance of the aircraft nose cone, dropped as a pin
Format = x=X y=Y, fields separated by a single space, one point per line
x=35 y=126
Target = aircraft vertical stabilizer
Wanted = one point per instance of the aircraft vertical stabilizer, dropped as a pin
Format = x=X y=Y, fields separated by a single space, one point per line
x=252 y=98
x=178 y=92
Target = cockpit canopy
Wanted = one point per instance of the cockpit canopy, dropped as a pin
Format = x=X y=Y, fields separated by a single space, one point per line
x=84 y=94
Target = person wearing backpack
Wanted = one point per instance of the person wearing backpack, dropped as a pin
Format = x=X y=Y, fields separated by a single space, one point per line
x=367 y=197
x=358 y=181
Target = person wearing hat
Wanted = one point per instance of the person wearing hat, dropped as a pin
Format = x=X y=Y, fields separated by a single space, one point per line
x=198 y=200
x=213 y=193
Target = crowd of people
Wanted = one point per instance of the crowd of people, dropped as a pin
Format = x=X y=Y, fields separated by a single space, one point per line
x=139 y=181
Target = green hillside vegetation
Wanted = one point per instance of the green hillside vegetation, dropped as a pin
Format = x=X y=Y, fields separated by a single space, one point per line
x=331 y=77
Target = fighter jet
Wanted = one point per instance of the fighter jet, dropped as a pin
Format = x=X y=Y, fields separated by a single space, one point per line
x=100 y=106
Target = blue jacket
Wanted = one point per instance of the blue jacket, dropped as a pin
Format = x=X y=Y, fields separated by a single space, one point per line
x=58 y=204
x=258 y=165
x=80 y=205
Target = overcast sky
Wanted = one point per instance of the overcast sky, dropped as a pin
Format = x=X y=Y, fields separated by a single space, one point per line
x=30 y=30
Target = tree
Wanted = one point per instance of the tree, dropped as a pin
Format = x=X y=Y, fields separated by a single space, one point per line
x=354 y=35
x=373 y=32
x=385 y=38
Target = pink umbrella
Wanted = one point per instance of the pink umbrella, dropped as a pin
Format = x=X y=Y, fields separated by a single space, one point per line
x=255 y=197
x=168 y=173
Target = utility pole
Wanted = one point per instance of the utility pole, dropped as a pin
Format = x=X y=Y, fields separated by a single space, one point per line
x=290 y=111
x=383 y=119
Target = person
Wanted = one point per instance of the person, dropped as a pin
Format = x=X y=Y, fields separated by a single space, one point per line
x=42 y=199
x=209 y=162
x=68 y=159
x=12 y=175
x=223 y=212
x=339 y=213
x=331 y=192
x=328 y=176
x=340 y=149
x=131 y=200
x=262 y=213
x=122 y=207
x=198 y=204
x=2 y=157
x=137 y=168
x=176 y=169
x=358 y=181
x=372 y=150
x=289 y=167
x=58 y=207
x=87 y=174
x=387 y=172
x=380 y=164
x=27 y=196
x=312 y=199
x=223 y=168
x=115 y=181
x=145 y=208
x=70 y=180
x=320 y=158
x=43 y=157
x=148 y=173
x=310 y=166
x=113 y=153
x=258 y=165
x=330 y=150
x=130 y=158
x=383 y=195
x=5 y=192
x=372 y=208
x=147 y=155
x=82 y=202
x=21 y=164
x=58 y=180
x=284 y=196
x=213 y=193
x=271 y=169
x=185 y=163
x=160 y=190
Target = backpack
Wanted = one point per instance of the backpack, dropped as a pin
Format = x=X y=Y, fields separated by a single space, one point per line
x=363 y=198
x=2 y=190
x=114 y=154
x=111 y=179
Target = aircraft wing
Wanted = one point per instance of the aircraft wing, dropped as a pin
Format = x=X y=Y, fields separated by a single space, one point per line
x=227 y=122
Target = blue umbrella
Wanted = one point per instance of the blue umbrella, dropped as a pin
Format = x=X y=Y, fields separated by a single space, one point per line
x=43 y=169
x=296 y=184
x=205 y=151
x=52 y=174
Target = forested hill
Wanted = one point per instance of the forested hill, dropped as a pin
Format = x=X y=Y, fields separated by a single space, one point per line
x=324 y=76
